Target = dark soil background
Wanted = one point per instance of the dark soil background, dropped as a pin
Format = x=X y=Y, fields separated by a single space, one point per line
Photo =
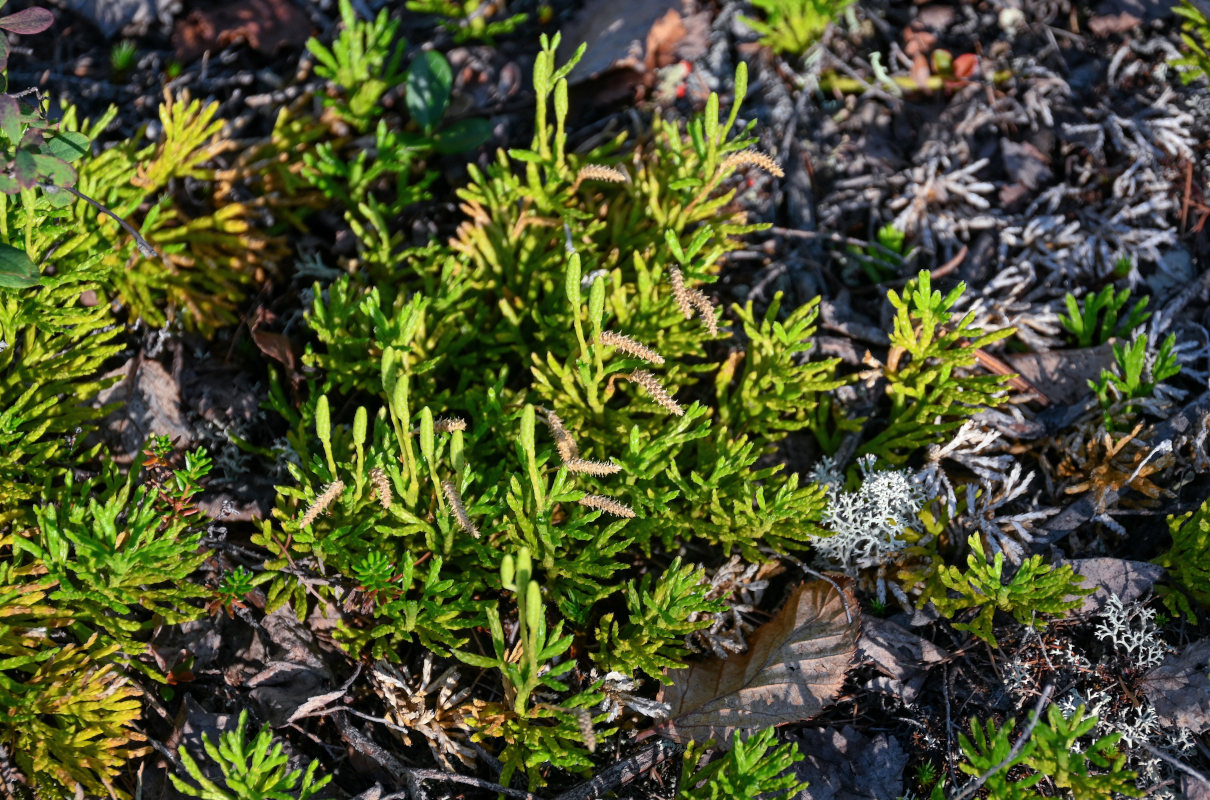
x=1088 y=149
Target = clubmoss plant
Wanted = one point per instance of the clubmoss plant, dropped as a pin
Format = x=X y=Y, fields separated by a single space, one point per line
x=1051 y=753
x=1138 y=370
x=925 y=371
x=558 y=380
x=364 y=61
x=758 y=766
x=251 y=770
x=791 y=26
x=1187 y=562
x=1095 y=321
x=468 y=20
x=1035 y=589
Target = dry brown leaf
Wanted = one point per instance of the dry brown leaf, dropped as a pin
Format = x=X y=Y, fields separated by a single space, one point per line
x=1129 y=580
x=921 y=72
x=1063 y=375
x=625 y=34
x=1179 y=690
x=795 y=665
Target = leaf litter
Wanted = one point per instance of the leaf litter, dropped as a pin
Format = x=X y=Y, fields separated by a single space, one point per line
x=1052 y=179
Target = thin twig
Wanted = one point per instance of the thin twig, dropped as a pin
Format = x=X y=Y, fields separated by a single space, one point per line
x=1182 y=766
x=144 y=246
x=453 y=777
x=1013 y=753
x=623 y=772
x=949 y=725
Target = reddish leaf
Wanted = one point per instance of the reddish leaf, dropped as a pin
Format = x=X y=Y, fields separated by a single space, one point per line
x=795 y=665
x=920 y=71
x=965 y=65
x=31 y=20
x=10 y=118
x=25 y=169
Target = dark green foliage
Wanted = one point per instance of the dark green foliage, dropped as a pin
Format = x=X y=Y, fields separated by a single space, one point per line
x=758 y=766
x=774 y=376
x=364 y=62
x=121 y=554
x=1052 y=752
x=1095 y=321
x=661 y=613
x=534 y=732
x=48 y=373
x=252 y=770
x=1035 y=589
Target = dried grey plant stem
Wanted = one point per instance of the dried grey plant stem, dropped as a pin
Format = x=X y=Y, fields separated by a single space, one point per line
x=974 y=786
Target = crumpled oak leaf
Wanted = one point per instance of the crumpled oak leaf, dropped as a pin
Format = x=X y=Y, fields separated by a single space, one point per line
x=794 y=667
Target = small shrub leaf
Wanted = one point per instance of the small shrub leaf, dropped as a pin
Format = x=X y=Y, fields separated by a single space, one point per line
x=16 y=270
x=31 y=20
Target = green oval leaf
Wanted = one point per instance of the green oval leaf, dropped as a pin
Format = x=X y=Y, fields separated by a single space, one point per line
x=16 y=270
x=10 y=118
x=428 y=91
x=68 y=145
x=55 y=170
x=466 y=134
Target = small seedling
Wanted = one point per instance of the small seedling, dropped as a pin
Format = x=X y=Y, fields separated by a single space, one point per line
x=1096 y=320
x=123 y=58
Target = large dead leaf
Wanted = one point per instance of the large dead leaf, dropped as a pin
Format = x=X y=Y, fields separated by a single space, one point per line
x=795 y=665
x=1129 y=580
x=1179 y=689
x=846 y=765
x=1063 y=375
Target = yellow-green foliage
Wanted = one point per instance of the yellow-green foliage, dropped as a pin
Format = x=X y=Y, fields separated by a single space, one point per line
x=69 y=712
x=1188 y=562
x=52 y=346
x=208 y=258
x=791 y=26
